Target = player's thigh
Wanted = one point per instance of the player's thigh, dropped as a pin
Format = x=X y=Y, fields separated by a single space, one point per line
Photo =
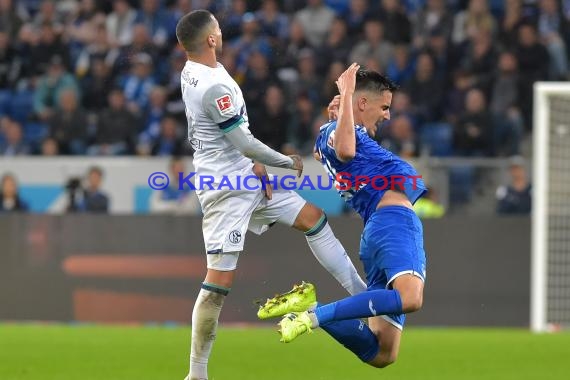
x=284 y=208
x=393 y=243
x=389 y=337
x=224 y=226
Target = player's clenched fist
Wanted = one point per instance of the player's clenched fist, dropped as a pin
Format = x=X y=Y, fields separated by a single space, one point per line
x=347 y=80
x=297 y=164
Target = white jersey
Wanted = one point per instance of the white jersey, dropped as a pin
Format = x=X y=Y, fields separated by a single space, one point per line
x=214 y=105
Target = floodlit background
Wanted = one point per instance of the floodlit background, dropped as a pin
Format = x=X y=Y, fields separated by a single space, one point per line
x=98 y=272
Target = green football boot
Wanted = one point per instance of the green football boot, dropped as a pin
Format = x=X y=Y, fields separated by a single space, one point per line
x=301 y=298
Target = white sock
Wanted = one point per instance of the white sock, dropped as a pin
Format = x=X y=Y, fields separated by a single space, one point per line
x=332 y=256
x=314 y=319
x=204 y=326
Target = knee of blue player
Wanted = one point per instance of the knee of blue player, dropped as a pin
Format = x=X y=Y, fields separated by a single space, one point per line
x=412 y=302
x=411 y=290
x=384 y=359
x=386 y=362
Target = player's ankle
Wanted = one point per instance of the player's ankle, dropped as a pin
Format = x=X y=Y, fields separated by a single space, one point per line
x=313 y=318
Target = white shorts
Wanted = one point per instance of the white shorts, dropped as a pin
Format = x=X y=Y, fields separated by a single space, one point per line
x=229 y=214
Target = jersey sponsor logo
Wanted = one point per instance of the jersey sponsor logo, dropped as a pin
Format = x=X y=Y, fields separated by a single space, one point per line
x=234 y=237
x=224 y=104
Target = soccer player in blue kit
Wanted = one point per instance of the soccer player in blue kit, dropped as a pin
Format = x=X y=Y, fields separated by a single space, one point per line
x=391 y=247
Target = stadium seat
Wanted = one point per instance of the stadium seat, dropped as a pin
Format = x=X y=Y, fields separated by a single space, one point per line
x=438 y=137
x=461 y=183
x=34 y=133
x=497 y=7
x=21 y=106
x=5 y=96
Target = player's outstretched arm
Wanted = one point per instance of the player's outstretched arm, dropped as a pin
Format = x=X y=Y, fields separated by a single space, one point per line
x=252 y=148
x=219 y=105
x=345 y=138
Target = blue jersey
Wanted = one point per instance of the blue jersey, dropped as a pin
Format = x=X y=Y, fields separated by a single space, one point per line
x=374 y=170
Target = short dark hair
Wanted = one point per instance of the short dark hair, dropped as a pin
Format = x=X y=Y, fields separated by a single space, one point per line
x=190 y=28
x=369 y=80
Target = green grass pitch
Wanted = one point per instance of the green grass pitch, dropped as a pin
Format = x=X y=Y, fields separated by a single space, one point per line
x=54 y=352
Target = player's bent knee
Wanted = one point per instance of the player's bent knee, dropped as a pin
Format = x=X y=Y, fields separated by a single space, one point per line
x=384 y=359
x=411 y=292
x=412 y=302
x=220 y=278
x=309 y=216
x=385 y=363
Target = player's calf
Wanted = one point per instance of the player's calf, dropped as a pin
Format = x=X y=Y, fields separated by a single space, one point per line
x=389 y=337
x=205 y=316
x=327 y=248
x=206 y=312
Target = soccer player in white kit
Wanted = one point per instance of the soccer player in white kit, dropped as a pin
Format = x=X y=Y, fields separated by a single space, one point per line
x=225 y=149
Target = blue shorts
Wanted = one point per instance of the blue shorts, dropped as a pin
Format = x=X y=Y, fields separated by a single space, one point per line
x=392 y=245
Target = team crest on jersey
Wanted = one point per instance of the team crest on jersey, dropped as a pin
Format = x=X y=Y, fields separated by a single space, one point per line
x=234 y=237
x=330 y=141
x=224 y=104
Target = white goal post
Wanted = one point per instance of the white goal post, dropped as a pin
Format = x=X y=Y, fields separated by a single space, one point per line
x=550 y=261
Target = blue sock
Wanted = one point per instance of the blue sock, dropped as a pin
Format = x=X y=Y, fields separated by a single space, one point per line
x=363 y=305
x=354 y=335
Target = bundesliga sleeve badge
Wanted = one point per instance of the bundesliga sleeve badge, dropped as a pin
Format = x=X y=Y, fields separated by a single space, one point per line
x=224 y=104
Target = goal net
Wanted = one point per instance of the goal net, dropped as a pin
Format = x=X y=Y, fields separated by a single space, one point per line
x=550 y=264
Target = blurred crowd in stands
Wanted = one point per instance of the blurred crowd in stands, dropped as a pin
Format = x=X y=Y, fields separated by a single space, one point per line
x=101 y=77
